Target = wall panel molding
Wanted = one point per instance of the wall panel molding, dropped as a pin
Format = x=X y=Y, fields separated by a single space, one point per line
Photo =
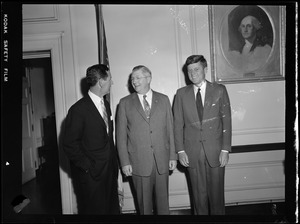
x=174 y=10
x=193 y=29
x=253 y=177
x=259 y=131
x=40 y=13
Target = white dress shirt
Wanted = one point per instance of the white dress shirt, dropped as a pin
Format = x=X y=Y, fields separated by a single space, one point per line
x=148 y=98
x=202 y=91
x=97 y=101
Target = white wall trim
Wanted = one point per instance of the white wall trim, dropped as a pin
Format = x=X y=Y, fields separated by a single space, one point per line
x=258 y=131
x=193 y=29
x=174 y=10
x=53 y=42
x=255 y=187
x=239 y=166
x=74 y=47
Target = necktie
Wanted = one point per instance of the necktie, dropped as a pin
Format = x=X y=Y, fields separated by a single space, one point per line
x=146 y=107
x=199 y=105
x=104 y=114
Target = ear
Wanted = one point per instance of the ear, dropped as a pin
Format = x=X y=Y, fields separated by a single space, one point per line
x=100 y=82
x=205 y=70
x=149 y=78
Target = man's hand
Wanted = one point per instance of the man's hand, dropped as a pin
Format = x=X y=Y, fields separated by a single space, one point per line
x=127 y=170
x=172 y=164
x=183 y=159
x=223 y=158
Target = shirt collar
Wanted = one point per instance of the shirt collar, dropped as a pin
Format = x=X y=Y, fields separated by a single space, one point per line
x=202 y=87
x=248 y=44
x=96 y=99
x=148 y=94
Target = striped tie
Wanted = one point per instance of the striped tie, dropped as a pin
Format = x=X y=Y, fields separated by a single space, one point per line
x=146 y=107
x=104 y=115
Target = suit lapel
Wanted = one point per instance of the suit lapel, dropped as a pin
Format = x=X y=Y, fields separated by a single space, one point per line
x=191 y=101
x=208 y=98
x=94 y=111
x=154 y=102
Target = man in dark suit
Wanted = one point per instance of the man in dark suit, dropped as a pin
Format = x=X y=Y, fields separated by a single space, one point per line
x=88 y=143
x=202 y=131
x=145 y=142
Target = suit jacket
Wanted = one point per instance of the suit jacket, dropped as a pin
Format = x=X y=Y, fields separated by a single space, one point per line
x=138 y=138
x=86 y=141
x=215 y=129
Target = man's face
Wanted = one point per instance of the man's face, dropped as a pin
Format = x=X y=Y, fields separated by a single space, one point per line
x=246 y=28
x=140 y=81
x=196 y=73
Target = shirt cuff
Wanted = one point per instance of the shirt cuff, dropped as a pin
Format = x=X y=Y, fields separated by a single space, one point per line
x=180 y=151
x=225 y=150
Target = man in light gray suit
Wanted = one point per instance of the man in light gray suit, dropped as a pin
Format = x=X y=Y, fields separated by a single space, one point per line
x=202 y=130
x=145 y=142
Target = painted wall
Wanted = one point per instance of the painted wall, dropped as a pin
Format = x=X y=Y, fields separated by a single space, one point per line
x=162 y=37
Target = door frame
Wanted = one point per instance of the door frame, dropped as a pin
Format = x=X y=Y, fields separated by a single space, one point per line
x=53 y=42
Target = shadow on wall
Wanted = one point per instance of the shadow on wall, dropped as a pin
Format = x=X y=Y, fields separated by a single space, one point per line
x=84 y=87
x=186 y=76
x=129 y=85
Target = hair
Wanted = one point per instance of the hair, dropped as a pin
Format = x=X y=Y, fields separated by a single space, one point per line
x=255 y=22
x=196 y=58
x=96 y=72
x=143 y=68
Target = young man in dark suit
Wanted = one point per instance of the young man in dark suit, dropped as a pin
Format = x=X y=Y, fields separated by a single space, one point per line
x=202 y=130
x=88 y=143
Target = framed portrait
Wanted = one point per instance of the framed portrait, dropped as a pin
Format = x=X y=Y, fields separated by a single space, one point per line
x=247 y=43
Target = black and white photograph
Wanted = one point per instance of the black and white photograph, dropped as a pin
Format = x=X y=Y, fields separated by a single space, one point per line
x=141 y=113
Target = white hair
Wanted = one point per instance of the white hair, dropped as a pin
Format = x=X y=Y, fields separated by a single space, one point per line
x=255 y=22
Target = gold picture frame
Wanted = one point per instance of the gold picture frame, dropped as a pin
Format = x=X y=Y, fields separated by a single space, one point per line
x=230 y=61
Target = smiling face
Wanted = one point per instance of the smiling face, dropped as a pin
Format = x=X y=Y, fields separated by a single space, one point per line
x=196 y=73
x=141 y=81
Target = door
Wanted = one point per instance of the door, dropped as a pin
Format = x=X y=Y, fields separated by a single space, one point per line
x=28 y=145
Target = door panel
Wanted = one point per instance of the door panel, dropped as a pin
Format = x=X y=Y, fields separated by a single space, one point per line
x=28 y=165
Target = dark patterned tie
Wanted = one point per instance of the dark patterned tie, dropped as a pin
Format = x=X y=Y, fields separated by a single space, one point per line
x=199 y=105
x=104 y=114
x=146 y=107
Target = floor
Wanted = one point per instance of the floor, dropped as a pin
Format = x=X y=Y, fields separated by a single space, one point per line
x=44 y=190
